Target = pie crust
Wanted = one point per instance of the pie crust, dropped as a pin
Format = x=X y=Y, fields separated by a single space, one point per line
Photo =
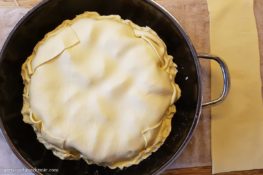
x=102 y=89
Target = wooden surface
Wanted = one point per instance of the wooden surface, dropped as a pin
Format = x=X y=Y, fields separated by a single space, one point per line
x=193 y=16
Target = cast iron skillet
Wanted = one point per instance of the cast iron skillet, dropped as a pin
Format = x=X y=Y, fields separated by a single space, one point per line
x=49 y=14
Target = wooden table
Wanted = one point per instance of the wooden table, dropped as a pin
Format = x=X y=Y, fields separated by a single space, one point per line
x=194 y=17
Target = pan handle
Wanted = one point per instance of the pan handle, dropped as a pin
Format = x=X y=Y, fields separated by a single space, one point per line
x=226 y=79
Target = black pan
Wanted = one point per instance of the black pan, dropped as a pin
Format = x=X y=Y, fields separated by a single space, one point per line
x=49 y=14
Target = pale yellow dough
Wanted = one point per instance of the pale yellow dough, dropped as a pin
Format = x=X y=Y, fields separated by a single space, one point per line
x=102 y=89
x=237 y=124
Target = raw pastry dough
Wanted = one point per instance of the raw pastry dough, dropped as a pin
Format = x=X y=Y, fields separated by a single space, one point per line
x=102 y=89
x=237 y=124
